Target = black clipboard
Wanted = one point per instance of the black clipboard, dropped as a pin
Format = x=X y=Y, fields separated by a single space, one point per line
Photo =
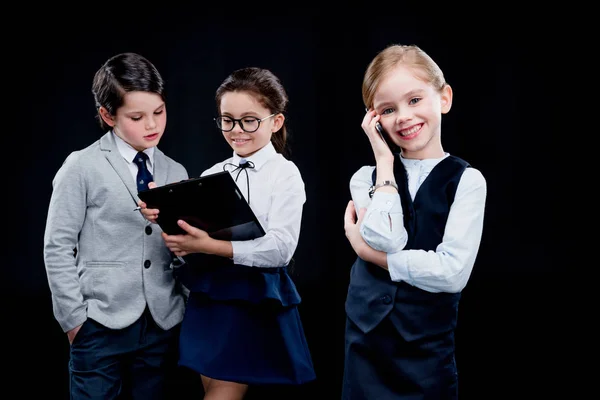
x=212 y=203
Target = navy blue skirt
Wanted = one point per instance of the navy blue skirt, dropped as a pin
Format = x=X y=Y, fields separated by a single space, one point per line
x=242 y=324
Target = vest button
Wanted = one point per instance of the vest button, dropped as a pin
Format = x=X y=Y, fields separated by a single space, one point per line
x=148 y=230
x=387 y=299
x=147 y=264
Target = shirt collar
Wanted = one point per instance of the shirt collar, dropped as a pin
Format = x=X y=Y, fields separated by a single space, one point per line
x=259 y=158
x=129 y=152
x=427 y=163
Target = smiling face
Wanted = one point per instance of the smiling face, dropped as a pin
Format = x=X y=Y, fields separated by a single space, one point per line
x=140 y=121
x=240 y=105
x=411 y=111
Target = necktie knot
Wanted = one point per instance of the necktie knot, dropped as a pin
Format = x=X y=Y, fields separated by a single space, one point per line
x=140 y=158
x=143 y=176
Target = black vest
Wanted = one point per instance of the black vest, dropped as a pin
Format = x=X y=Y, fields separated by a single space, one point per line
x=372 y=295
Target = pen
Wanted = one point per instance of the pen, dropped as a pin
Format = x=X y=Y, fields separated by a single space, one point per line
x=137 y=209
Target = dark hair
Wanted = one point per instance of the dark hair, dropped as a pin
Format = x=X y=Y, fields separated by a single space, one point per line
x=126 y=72
x=269 y=92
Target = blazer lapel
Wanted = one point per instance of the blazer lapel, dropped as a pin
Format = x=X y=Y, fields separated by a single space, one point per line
x=109 y=147
x=160 y=168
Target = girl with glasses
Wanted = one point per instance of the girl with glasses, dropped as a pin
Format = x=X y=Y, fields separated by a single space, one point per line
x=242 y=325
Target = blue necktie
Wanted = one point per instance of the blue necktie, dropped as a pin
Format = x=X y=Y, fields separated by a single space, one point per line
x=143 y=176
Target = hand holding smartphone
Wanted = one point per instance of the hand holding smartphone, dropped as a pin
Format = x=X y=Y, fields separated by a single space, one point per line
x=384 y=135
x=386 y=138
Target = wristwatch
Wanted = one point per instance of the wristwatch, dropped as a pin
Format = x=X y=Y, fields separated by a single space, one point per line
x=373 y=188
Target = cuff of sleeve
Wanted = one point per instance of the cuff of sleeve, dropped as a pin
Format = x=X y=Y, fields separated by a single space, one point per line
x=388 y=202
x=375 y=240
x=398 y=265
x=241 y=250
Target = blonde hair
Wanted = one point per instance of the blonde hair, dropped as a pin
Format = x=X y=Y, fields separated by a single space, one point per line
x=409 y=55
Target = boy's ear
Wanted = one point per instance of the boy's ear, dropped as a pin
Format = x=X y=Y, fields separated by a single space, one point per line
x=446 y=99
x=106 y=117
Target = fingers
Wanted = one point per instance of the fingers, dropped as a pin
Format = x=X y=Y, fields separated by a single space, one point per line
x=151 y=214
x=184 y=243
x=349 y=215
x=369 y=121
x=369 y=127
x=173 y=244
x=350 y=210
x=187 y=227
x=174 y=248
x=151 y=185
x=361 y=215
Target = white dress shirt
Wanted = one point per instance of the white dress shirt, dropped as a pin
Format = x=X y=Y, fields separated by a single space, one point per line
x=129 y=154
x=448 y=268
x=276 y=196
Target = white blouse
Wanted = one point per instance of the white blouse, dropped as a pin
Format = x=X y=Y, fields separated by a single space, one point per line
x=448 y=268
x=277 y=197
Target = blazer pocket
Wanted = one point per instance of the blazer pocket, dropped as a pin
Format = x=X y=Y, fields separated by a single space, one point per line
x=98 y=279
x=104 y=264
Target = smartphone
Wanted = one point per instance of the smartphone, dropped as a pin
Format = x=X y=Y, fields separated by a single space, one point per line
x=386 y=138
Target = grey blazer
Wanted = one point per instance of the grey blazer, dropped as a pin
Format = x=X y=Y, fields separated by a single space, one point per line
x=121 y=262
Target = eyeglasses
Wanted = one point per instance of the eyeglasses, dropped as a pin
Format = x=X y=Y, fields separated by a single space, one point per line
x=248 y=124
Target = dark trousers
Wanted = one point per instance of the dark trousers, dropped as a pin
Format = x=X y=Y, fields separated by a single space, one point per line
x=131 y=363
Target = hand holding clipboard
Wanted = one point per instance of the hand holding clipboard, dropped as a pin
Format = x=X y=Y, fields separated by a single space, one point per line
x=212 y=203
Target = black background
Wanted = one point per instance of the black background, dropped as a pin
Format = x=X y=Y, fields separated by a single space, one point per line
x=504 y=317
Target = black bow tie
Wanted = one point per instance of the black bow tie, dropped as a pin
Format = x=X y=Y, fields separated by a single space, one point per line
x=243 y=166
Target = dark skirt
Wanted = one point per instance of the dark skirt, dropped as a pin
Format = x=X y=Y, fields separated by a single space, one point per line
x=381 y=364
x=242 y=324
